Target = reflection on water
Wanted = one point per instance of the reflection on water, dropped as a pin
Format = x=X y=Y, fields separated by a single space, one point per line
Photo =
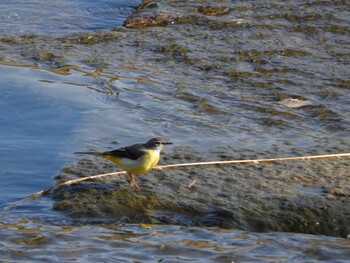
x=19 y=17
x=45 y=119
x=113 y=243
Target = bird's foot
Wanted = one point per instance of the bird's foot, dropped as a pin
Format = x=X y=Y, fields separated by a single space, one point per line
x=133 y=183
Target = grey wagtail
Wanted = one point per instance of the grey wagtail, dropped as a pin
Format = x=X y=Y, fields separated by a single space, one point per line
x=135 y=159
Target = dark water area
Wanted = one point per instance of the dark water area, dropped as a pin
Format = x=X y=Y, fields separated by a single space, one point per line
x=222 y=80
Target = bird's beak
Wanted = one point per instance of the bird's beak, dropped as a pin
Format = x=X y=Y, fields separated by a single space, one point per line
x=167 y=143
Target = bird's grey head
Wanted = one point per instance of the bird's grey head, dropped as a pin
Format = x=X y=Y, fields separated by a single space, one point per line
x=157 y=143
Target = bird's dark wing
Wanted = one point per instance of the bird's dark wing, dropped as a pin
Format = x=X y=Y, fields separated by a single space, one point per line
x=131 y=152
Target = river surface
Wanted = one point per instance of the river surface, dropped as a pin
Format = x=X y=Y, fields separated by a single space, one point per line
x=21 y=17
x=243 y=79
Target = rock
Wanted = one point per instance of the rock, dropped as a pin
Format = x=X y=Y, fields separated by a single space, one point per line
x=260 y=197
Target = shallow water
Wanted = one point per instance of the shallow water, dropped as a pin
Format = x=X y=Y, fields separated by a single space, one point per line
x=21 y=17
x=109 y=243
x=274 y=85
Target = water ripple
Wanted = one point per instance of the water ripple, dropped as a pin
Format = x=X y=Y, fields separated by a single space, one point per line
x=20 y=17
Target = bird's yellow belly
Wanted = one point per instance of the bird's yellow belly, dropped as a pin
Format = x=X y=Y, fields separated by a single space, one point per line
x=138 y=166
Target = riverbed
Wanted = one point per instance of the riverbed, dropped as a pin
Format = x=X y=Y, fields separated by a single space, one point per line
x=222 y=80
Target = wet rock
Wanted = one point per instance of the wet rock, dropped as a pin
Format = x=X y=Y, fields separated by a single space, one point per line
x=234 y=23
x=240 y=74
x=158 y=20
x=8 y=39
x=45 y=55
x=175 y=50
x=151 y=14
x=295 y=103
x=259 y=197
x=147 y=5
x=272 y=122
x=213 y=10
x=148 y=15
x=90 y=39
x=63 y=70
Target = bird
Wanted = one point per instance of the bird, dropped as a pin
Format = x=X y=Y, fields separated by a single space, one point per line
x=135 y=159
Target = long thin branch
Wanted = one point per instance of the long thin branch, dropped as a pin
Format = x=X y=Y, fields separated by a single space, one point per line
x=74 y=181
x=311 y=157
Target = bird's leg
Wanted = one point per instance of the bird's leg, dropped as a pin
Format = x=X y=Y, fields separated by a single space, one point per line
x=133 y=182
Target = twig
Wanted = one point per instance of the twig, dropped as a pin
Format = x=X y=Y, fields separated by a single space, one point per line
x=311 y=157
x=191 y=184
x=74 y=181
x=57 y=186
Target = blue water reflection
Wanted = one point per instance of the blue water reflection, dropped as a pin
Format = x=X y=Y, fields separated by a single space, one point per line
x=61 y=17
x=38 y=120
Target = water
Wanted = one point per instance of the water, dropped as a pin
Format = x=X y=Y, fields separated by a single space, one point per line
x=161 y=243
x=38 y=125
x=62 y=17
x=218 y=89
